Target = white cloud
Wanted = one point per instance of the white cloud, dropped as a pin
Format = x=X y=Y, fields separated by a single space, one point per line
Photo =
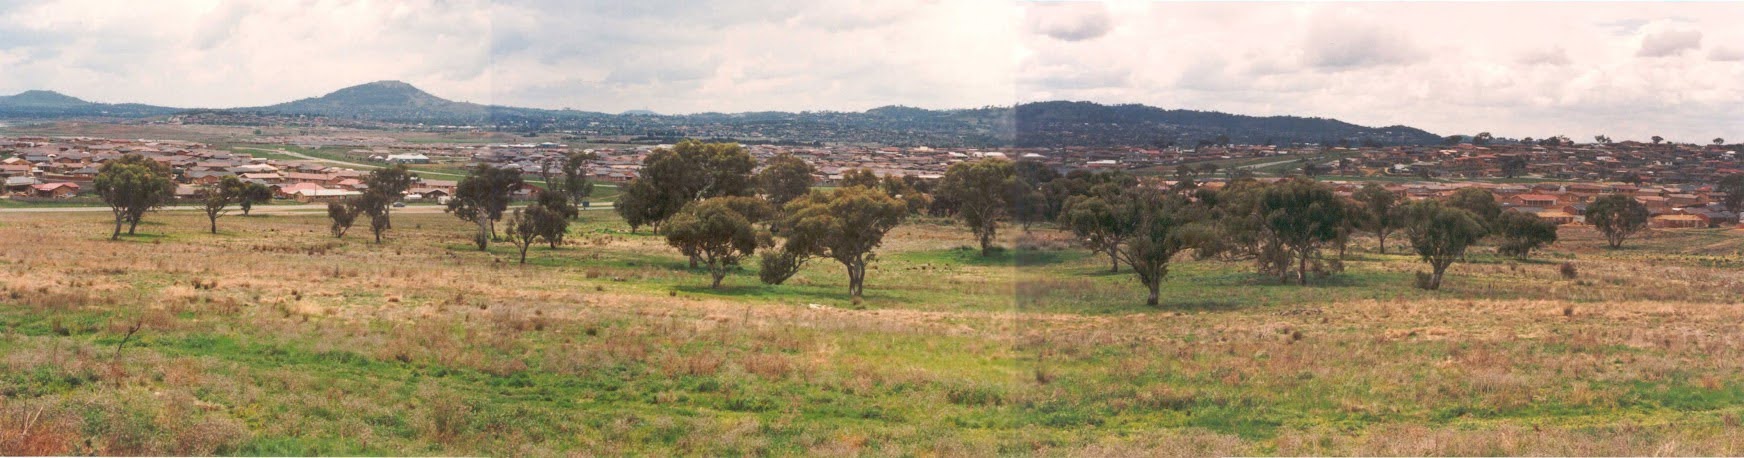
x=1670 y=42
x=1533 y=69
x=667 y=55
x=1551 y=56
x=1726 y=54
x=1069 y=21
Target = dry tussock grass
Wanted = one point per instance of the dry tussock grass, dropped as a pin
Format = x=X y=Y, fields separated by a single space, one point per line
x=414 y=302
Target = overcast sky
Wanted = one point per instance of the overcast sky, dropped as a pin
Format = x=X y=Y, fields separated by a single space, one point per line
x=1514 y=69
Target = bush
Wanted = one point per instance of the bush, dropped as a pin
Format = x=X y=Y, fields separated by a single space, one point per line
x=779 y=266
x=1568 y=271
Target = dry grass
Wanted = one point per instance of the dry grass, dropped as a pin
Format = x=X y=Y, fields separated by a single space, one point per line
x=272 y=331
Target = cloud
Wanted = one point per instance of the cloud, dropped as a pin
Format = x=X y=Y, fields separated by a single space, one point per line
x=1624 y=27
x=1552 y=57
x=1069 y=21
x=1339 y=43
x=1536 y=69
x=1726 y=54
x=1669 y=42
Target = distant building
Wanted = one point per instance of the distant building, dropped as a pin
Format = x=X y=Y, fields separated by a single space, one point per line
x=409 y=158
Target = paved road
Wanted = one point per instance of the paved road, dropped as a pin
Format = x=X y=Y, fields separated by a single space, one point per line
x=357 y=165
x=368 y=166
x=262 y=209
x=1267 y=164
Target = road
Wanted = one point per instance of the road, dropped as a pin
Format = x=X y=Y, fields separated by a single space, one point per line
x=363 y=166
x=357 y=165
x=1267 y=164
x=259 y=209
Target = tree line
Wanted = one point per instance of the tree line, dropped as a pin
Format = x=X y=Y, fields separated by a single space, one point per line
x=714 y=204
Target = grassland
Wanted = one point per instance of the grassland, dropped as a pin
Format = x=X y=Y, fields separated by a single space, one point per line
x=272 y=337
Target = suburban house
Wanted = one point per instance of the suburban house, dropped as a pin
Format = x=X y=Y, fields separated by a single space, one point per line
x=1679 y=221
x=322 y=195
x=56 y=190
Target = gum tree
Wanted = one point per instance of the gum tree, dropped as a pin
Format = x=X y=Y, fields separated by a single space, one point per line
x=1617 y=216
x=1158 y=219
x=844 y=225
x=133 y=185
x=719 y=232
x=980 y=189
x=482 y=198
x=1440 y=234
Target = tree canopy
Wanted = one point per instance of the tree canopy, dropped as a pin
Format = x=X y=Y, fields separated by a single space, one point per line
x=1440 y=234
x=691 y=170
x=1379 y=212
x=720 y=231
x=1522 y=232
x=482 y=197
x=1157 y=222
x=1617 y=216
x=784 y=177
x=133 y=185
x=844 y=225
x=980 y=190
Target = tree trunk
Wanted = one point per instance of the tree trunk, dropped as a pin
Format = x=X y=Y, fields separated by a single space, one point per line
x=718 y=275
x=1113 y=260
x=214 y=219
x=485 y=232
x=1154 y=287
x=1302 y=269
x=524 y=247
x=117 y=234
x=1383 y=236
x=1435 y=278
x=986 y=243
x=856 y=279
x=132 y=224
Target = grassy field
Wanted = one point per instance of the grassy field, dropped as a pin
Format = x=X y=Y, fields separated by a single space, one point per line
x=274 y=338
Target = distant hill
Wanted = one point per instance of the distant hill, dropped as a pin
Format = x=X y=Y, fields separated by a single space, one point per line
x=392 y=101
x=50 y=104
x=1038 y=124
x=1085 y=123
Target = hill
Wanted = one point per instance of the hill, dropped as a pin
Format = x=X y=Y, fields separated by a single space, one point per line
x=51 y=104
x=382 y=101
x=1038 y=124
x=1086 y=123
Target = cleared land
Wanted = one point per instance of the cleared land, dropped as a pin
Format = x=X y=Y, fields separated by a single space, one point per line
x=272 y=337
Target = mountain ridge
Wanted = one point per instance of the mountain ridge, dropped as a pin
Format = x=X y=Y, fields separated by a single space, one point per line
x=1040 y=124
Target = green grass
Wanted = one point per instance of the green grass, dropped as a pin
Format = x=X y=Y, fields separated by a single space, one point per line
x=614 y=345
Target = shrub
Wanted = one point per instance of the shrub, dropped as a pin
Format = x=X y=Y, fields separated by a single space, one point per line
x=779 y=266
x=1568 y=271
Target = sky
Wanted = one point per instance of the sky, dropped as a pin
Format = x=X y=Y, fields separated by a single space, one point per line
x=1627 y=70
